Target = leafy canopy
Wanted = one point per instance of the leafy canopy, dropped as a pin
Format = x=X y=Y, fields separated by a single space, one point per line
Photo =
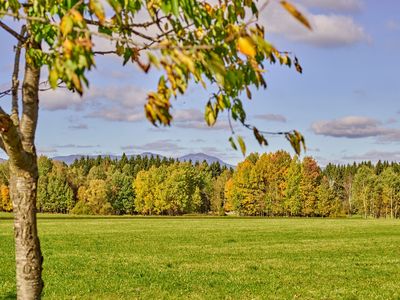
x=188 y=41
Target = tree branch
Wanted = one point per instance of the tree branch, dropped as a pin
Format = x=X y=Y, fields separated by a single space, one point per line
x=8 y=92
x=11 y=141
x=104 y=52
x=127 y=27
x=15 y=81
x=19 y=37
x=140 y=46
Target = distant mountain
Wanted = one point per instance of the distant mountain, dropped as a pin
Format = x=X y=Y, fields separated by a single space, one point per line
x=200 y=157
x=69 y=159
x=149 y=154
x=193 y=157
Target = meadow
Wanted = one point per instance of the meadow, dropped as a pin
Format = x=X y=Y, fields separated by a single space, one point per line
x=211 y=258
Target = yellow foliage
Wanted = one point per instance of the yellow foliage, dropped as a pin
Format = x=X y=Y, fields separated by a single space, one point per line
x=6 y=203
x=246 y=46
x=229 y=206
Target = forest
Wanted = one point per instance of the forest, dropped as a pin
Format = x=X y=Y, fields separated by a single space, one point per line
x=270 y=184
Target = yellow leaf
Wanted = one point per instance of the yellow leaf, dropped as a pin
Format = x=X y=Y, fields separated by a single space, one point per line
x=66 y=25
x=246 y=46
x=96 y=7
x=208 y=8
x=77 y=83
x=210 y=115
x=199 y=33
x=68 y=47
x=53 y=78
x=242 y=145
x=295 y=13
x=76 y=15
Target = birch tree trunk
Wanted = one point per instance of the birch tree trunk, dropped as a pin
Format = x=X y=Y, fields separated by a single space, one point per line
x=23 y=183
x=17 y=139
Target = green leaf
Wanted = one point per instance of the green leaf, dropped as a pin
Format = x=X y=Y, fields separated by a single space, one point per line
x=232 y=143
x=175 y=7
x=53 y=78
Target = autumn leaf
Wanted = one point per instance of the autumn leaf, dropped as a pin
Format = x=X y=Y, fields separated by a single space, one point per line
x=53 y=78
x=242 y=145
x=96 y=7
x=295 y=13
x=246 y=46
x=66 y=25
x=296 y=140
x=77 y=83
x=210 y=115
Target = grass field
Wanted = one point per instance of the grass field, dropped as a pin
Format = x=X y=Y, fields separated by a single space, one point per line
x=212 y=258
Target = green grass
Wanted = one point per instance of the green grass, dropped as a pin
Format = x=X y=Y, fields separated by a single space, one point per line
x=212 y=258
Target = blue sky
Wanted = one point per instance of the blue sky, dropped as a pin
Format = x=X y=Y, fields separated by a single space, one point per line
x=346 y=103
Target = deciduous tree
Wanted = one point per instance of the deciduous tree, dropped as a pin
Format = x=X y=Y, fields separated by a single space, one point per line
x=194 y=41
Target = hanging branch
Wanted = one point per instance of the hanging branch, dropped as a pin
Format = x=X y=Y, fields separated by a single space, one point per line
x=8 y=92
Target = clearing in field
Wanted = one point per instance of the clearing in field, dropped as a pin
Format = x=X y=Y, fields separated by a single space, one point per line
x=211 y=258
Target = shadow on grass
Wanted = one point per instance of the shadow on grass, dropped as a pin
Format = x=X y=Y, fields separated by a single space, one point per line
x=48 y=216
x=138 y=217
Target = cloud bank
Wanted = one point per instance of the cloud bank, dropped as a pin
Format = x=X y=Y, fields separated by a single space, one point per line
x=329 y=30
x=354 y=127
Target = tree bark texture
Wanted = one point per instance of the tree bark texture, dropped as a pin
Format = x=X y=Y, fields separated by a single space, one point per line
x=23 y=184
x=23 y=189
x=18 y=142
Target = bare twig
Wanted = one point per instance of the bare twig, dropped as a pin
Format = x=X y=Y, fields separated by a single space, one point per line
x=127 y=27
x=251 y=127
x=11 y=31
x=8 y=92
x=104 y=52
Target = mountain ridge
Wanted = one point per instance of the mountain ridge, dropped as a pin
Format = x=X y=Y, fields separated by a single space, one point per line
x=193 y=157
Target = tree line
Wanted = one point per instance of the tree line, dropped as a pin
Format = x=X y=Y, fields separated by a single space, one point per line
x=270 y=184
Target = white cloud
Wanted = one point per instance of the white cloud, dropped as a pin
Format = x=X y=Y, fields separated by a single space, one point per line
x=335 y=5
x=166 y=145
x=374 y=155
x=76 y=146
x=113 y=103
x=194 y=118
x=393 y=25
x=350 y=127
x=46 y=150
x=271 y=117
x=117 y=114
x=60 y=99
x=78 y=126
x=329 y=30
x=356 y=127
